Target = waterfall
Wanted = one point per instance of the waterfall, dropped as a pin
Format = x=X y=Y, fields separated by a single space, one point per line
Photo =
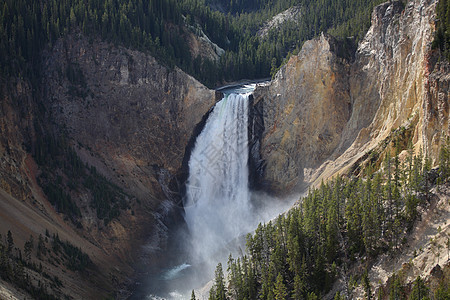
x=217 y=202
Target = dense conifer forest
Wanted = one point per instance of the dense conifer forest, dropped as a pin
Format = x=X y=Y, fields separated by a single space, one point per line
x=23 y=266
x=442 y=38
x=160 y=27
x=300 y=254
x=63 y=173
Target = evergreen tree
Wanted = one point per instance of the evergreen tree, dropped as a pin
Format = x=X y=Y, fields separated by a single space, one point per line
x=280 y=291
x=299 y=288
x=419 y=291
x=444 y=158
x=9 y=243
x=396 y=290
x=28 y=248
x=366 y=285
x=218 y=292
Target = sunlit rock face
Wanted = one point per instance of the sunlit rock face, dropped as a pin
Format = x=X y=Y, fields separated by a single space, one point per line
x=305 y=110
x=325 y=110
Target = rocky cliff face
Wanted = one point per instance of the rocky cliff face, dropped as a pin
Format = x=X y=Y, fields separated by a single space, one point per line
x=131 y=118
x=324 y=112
x=124 y=114
x=305 y=110
x=16 y=122
x=123 y=109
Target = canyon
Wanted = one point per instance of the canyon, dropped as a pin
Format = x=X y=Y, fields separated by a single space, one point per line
x=329 y=109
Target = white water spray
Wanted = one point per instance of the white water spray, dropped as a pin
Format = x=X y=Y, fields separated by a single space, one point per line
x=217 y=203
x=175 y=272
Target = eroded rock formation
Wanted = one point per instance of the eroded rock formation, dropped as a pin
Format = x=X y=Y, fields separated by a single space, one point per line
x=324 y=111
x=124 y=114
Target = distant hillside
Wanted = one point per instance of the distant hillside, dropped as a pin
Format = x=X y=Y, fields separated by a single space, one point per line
x=162 y=27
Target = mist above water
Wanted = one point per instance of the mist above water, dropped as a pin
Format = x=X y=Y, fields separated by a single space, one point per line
x=217 y=201
x=219 y=207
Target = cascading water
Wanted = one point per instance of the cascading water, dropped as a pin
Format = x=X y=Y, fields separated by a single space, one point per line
x=217 y=203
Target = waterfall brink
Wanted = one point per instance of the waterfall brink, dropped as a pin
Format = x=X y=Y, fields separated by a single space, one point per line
x=217 y=203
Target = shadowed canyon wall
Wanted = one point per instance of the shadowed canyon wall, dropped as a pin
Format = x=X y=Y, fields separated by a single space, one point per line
x=123 y=113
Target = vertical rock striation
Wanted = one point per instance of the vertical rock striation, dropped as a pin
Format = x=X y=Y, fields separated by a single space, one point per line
x=323 y=111
x=305 y=109
x=134 y=114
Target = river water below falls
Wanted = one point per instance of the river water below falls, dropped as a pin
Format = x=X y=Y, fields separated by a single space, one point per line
x=218 y=205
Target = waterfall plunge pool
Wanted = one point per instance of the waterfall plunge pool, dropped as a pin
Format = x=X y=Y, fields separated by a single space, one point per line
x=218 y=206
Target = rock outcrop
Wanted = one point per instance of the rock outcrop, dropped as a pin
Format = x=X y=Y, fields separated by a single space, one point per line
x=123 y=113
x=130 y=116
x=292 y=14
x=132 y=119
x=16 y=127
x=323 y=112
x=305 y=110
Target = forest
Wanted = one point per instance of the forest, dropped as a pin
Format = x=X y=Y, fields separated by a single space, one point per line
x=346 y=221
x=159 y=27
x=63 y=174
x=442 y=35
x=23 y=266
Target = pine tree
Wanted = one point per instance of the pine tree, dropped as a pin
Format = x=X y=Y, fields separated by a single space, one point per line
x=41 y=249
x=444 y=158
x=219 y=291
x=442 y=292
x=299 y=288
x=419 y=291
x=417 y=172
x=396 y=289
x=10 y=243
x=366 y=285
x=28 y=247
x=426 y=177
x=280 y=291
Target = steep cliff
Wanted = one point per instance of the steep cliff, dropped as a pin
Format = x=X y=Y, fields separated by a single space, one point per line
x=323 y=112
x=135 y=115
x=16 y=122
x=106 y=120
x=129 y=117
x=305 y=109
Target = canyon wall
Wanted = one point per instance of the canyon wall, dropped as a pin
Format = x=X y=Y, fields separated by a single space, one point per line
x=324 y=111
x=134 y=120
x=123 y=113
